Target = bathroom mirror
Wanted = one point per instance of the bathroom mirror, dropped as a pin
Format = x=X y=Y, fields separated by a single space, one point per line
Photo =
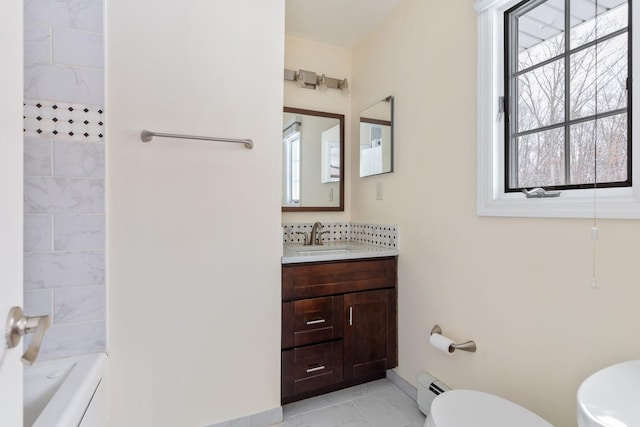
x=376 y=138
x=313 y=160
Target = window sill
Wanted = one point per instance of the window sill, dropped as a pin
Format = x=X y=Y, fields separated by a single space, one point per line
x=607 y=203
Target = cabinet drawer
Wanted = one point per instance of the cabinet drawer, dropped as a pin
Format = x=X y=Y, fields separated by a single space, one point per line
x=330 y=278
x=311 y=321
x=312 y=367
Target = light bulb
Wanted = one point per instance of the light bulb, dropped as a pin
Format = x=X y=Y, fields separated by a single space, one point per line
x=322 y=83
x=300 y=79
x=345 y=87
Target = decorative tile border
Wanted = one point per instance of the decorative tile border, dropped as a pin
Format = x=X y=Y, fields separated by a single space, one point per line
x=374 y=234
x=79 y=122
x=338 y=232
x=380 y=235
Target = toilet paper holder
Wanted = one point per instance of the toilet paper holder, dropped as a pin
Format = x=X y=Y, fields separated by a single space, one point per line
x=464 y=346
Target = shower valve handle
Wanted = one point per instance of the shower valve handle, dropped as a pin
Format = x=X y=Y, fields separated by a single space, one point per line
x=18 y=325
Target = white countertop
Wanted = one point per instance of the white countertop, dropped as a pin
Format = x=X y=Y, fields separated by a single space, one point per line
x=334 y=251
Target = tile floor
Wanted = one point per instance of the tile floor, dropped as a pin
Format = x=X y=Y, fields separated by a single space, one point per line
x=375 y=404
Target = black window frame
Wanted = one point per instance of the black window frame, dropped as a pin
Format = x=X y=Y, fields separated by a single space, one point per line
x=509 y=103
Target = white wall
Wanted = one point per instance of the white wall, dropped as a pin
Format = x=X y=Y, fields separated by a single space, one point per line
x=334 y=62
x=194 y=237
x=11 y=201
x=519 y=287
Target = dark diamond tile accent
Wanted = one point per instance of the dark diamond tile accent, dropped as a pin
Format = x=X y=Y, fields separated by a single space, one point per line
x=86 y=122
x=55 y=119
x=86 y=110
x=70 y=121
x=55 y=132
x=39 y=131
x=70 y=108
x=70 y=133
x=38 y=105
x=38 y=118
x=85 y=135
x=99 y=111
x=100 y=123
x=100 y=136
x=54 y=106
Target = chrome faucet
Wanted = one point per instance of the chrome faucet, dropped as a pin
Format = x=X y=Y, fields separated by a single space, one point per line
x=314 y=238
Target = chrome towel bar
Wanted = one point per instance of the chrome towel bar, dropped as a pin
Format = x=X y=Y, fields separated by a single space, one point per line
x=147 y=136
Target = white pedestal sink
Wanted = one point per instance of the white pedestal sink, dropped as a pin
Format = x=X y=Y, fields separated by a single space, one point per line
x=611 y=397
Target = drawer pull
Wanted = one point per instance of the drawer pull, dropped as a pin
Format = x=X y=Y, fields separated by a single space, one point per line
x=315 y=322
x=317 y=368
x=350 y=316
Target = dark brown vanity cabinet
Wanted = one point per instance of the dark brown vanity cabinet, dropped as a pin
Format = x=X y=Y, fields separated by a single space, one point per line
x=339 y=324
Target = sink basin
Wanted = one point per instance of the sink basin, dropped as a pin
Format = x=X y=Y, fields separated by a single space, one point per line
x=611 y=397
x=323 y=250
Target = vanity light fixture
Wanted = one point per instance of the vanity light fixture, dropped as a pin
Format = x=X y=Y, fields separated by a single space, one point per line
x=310 y=80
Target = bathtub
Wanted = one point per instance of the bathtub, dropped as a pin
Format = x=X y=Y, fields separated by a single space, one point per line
x=66 y=392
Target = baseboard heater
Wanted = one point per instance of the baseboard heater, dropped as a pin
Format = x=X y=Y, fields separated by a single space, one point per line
x=429 y=387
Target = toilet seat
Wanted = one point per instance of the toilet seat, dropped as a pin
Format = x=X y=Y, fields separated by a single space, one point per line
x=470 y=408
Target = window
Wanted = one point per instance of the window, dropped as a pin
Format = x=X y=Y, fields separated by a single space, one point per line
x=291 y=152
x=566 y=96
x=559 y=71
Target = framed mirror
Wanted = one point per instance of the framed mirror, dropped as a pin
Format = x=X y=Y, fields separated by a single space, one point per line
x=313 y=160
x=376 y=138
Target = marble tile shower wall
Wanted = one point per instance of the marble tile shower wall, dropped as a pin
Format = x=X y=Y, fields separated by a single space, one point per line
x=64 y=167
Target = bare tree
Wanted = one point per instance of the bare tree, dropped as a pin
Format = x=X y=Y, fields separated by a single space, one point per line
x=595 y=140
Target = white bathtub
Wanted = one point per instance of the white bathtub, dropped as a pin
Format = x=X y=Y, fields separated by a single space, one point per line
x=66 y=392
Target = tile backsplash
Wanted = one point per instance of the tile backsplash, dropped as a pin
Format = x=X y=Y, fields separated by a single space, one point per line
x=381 y=235
x=64 y=173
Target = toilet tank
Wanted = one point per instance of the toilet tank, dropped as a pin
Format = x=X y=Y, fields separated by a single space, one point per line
x=429 y=387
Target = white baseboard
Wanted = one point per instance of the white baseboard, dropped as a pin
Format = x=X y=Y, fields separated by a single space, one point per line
x=402 y=384
x=261 y=419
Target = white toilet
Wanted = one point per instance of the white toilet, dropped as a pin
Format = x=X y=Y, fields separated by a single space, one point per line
x=469 y=408
x=611 y=396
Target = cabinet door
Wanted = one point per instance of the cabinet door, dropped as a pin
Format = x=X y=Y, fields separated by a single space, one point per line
x=370 y=333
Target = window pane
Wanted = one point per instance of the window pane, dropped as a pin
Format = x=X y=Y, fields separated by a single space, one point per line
x=611 y=68
x=540 y=96
x=589 y=23
x=541 y=33
x=611 y=134
x=295 y=170
x=612 y=74
x=541 y=159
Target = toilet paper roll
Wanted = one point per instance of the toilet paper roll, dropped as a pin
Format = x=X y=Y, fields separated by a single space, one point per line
x=442 y=343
